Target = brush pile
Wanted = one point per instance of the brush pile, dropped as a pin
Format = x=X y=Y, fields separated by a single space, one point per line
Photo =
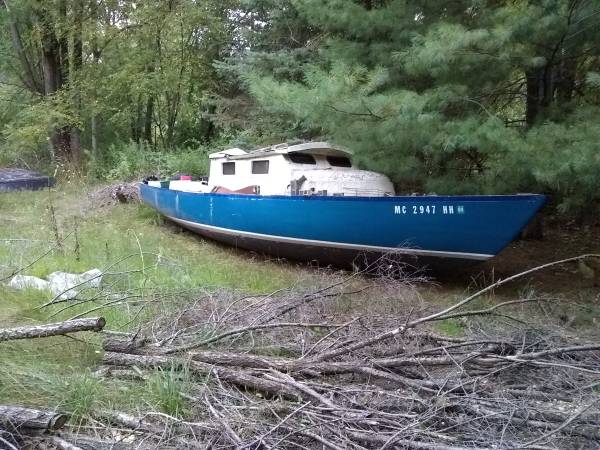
x=114 y=194
x=349 y=366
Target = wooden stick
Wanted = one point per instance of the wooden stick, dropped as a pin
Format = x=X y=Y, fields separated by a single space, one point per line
x=52 y=329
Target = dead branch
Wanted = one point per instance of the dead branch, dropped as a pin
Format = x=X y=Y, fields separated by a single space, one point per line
x=247 y=329
x=566 y=423
x=322 y=377
x=496 y=285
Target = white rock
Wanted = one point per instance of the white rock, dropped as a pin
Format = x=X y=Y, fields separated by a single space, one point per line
x=68 y=285
x=63 y=284
x=26 y=281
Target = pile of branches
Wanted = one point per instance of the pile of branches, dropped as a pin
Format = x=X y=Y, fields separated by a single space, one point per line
x=114 y=194
x=355 y=366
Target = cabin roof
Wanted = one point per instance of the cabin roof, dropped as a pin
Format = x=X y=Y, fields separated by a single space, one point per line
x=313 y=148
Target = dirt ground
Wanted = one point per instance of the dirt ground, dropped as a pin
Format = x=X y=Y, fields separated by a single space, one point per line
x=560 y=241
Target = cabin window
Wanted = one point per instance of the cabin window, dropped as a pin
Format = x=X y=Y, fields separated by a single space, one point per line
x=339 y=161
x=302 y=158
x=229 y=168
x=260 y=167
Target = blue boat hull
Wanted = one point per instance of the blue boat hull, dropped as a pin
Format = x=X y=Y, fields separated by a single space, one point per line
x=338 y=229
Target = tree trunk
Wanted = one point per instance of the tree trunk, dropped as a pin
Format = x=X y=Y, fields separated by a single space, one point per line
x=52 y=329
x=56 y=72
x=136 y=121
x=565 y=85
x=29 y=78
x=53 y=71
x=94 y=132
x=73 y=81
x=50 y=62
x=96 y=59
x=540 y=92
x=148 y=120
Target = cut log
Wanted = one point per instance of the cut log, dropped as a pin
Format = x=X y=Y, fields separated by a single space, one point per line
x=52 y=329
x=21 y=419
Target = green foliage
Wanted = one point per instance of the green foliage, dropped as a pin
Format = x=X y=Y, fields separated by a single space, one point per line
x=465 y=97
x=450 y=100
x=80 y=394
x=146 y=76
x=167 y=388
x=25 y=137
x=133 y=161
x=574 y=166
x=593 y=80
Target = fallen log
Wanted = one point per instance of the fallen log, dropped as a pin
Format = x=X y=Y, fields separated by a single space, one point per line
x=22 y=419
x=305 y=368
x=52 y=329
x=237 y=377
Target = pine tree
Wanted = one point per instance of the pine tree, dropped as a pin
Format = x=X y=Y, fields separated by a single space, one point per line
x=452 y=97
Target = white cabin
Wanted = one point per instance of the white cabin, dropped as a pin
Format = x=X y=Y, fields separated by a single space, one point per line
x=314 y=168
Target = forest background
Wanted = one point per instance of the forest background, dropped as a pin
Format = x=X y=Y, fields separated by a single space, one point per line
x=476 y=96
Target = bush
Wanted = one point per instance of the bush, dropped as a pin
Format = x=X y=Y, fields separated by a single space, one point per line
x=133 y=161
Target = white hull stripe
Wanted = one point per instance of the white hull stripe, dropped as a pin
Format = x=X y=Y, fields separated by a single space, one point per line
x=330 y=244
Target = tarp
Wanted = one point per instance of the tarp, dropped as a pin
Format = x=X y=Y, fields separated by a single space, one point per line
x=19 y=179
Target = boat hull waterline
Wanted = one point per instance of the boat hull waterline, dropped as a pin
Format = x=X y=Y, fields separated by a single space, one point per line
x=335 y=229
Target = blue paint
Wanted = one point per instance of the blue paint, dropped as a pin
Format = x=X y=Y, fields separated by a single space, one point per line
x=477 y=225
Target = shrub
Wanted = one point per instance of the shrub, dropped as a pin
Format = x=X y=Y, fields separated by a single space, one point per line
x=133 y=161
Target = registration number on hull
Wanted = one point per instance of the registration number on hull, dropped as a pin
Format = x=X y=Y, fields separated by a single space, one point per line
x=428 y=209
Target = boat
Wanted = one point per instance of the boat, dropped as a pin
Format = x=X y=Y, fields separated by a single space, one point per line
x=309 y=202
x=22 y=179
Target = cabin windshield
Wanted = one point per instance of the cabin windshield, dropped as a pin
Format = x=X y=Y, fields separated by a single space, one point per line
x=302 y=158
x=339 y=161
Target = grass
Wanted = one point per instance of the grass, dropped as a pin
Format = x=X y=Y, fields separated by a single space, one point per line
x=165 y=388
x=159 y=268
x=450 y=327
x=158 y=264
